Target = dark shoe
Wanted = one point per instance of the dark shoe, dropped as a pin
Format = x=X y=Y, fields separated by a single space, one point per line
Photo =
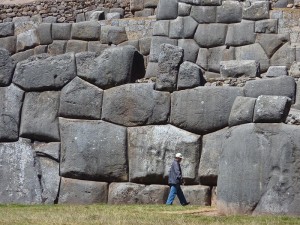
x=187 y=203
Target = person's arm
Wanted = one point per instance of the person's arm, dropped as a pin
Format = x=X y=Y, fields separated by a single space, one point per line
x=177 y=172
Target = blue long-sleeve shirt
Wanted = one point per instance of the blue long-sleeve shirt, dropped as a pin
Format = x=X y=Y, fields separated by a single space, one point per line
x=175 y=175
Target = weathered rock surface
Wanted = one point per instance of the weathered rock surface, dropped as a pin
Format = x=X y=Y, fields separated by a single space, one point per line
x=80 y=99
x=11 y=99
x=124 y=193
x=21 y=56
x=277 y=71
x=204 y=14
x=44 y=33
x=57 y=47
x=184 y=9
x=267 y=26
x=50 y=73
x=271 y=109
x=76 y=46
x=87 y=148
x=61 y=31
x=204 y=109
x=210 y=154
x=242 y=111
x=135 y=104
x=211 y=35
x=280 y=86
x=82 y=192
x=154 y=194
x=190 y=75
x=27 y=40
x=283 y=56
x=161 y=28
x=196 y=195
x=50 y=150
x=18 y=174
x=88 y=30
x=7 y=67
x=50 y=179
x=169 y=61
x=151 y=151
x=167 y=10
x=155 y=48
x=182 y=27
x=240 y=33
x=237 y=68
x=256 y=10
x=6 y=29
x=39 y=116
x=260 y=166
x=295 y=70
x=229 y=12
x=190 y=49
x=116 y=35
x=9 y=43
x=272 y=42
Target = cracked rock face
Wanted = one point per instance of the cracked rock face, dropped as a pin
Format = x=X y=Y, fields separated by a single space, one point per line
x=260 y=165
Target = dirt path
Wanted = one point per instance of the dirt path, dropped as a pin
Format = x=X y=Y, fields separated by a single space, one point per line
x=202 y=212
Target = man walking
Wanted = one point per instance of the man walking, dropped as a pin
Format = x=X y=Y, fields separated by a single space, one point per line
x=175 y=180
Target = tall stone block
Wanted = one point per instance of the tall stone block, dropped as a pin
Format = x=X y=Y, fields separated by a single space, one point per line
x=40 y=116
x=167 y=10
x=11 y=99
x=151 y=151
x=7 y=67
x=93 y=150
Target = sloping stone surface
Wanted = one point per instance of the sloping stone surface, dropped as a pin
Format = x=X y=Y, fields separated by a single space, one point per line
x=40 y=116
x=242 y=111
x=11 y=99
x=135 y=104
x=7 y=66
x=93 y=150
x=271 y=109
x=19 y=181
x=82 y=192
x=210 y=155
x=281 y=86
x=151 y=151
x=237 y=68
x=259 y=170
x=169 y=61
x=80 y=99
x=203 y=109
x=283 y=56
x=45 y=73
x=272 y=42
x=50 y=179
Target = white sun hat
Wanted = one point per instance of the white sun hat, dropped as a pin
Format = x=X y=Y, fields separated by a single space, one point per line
x=179 y=155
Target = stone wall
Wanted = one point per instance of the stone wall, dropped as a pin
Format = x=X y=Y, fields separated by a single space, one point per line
x=87 y=123
x=64 y=11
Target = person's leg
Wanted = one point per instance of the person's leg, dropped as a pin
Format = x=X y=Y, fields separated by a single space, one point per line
x=172 y=195
x=181 y=196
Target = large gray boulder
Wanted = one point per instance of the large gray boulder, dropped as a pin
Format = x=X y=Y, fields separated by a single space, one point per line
x=229 y=12
x=211 y=35
x=169 y=61
x=11 y=99
x=88 y=30
x=204 y=14
x=183 y=27
x=57 y=47
x=215 y=55
x=82 y=192
x=21 y=56
x=61 y=31
x=167 y=10
x=151 y=151
x=242 y=111
x=19 y=181
x=281 y=86
x=240 y=33
x=161 y=28
x=277 y=71
x=9 y=43
x=124 y=193
x=203 y=109
x=6 y=29
x=271 y=109
x=190 y=49
x=237 y=68
x=116 y=35
x=257 y=170
x=253 y=52
x=184 y=9
x=7 y=67
x=196 y=195
x=135 y=104
x=210 y=154
x=50 y=73
x=267 y=26
x=190 y=75
x=256 y=10
x=155 y=48
x=80 y=99
x=93 y=150
x=76 y=46
x=284 y=56
x=49 y=178
x=39 y=118
x=115 y=66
